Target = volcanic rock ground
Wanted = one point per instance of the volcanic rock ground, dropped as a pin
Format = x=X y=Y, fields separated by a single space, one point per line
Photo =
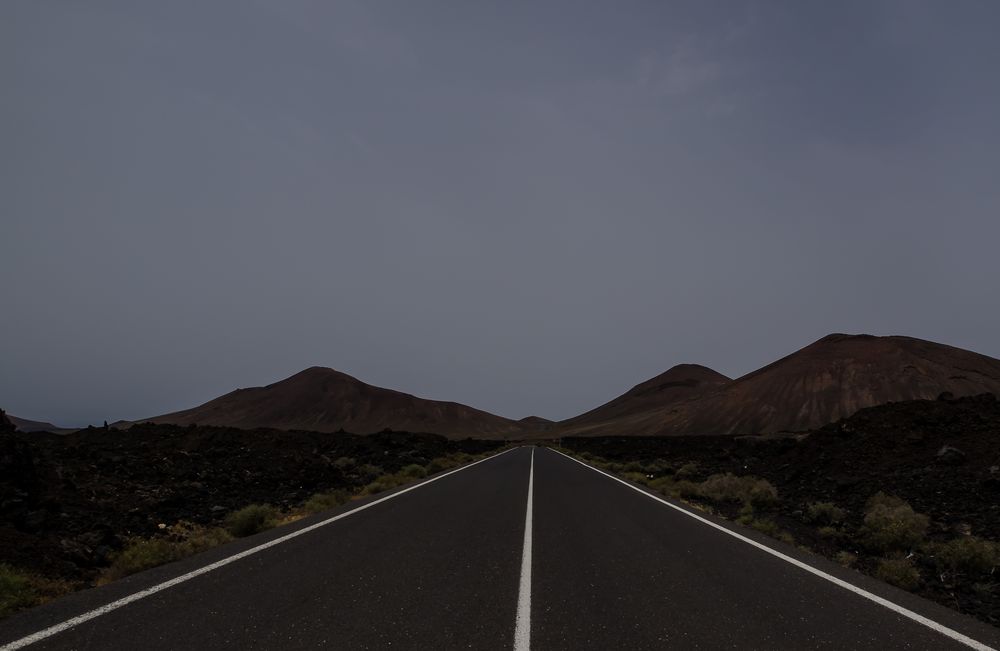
x=67 y=503
x=898 y=448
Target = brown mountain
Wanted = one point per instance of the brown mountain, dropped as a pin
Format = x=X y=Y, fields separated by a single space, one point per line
x=643 y=408
x=825 y=381
x=325 y=400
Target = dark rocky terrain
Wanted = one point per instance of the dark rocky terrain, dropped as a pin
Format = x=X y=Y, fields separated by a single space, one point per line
x=941 y=456
x=69 y=502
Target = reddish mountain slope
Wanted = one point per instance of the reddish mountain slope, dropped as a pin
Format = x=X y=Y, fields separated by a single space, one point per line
x=834 y=378
x=830 y=379
x=324 y=400
x=643 y=408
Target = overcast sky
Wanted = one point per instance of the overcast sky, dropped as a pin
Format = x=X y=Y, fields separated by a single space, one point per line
x=527 y=207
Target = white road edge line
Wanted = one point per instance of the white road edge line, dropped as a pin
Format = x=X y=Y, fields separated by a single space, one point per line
x=905 y=612
x=124 y=601
x=522 y=624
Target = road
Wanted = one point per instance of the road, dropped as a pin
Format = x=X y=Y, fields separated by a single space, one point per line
x=473 y=560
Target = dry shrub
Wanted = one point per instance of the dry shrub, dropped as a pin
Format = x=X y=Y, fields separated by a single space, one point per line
x=968 y=555
x=183 y=539
x=325 y=501
x=251 y=519
x=826 y=513
x=900 y=572
x=892 y=524
x=730 y=488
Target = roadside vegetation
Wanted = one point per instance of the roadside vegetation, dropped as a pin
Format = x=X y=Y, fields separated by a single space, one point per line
x=183 y=539
x=887 y=538
x=20 y=589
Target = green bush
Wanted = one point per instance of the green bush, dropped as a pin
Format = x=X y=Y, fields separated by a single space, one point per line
x=142 y=554
x=384 y=483
x=688 y=470
x=414 y=471
x=968 y=555
x=437 y=465
x=251 y=519
x=183 y=539
x=369 y=472
x=325 y=501
x=686 y=489
x=635 y=477
x=900 y=572
x=771 y=528
x=730 y=488
x=659 y=467
x=831 y=532
x=16 y=590
x=662 y=484
x=344 y=462
x=826 y=513
x=892 y=524
x=193 y=538
x=847 y=559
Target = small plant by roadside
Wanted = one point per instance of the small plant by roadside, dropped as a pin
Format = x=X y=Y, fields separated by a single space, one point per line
x=771 y=528
x=183 y=539
x=845 y=558
x=728 y=487
x=324 y=501
x=825 y=513
x=19 y=589
x=16 y=590
x=969 y=555
x=688 y=470
x=890 y=524
x=251 y=519
x=900 y=572
x=414 y=471
x=635 y=477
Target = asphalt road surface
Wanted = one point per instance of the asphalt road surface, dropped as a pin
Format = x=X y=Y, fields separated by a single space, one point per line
x=526 y=550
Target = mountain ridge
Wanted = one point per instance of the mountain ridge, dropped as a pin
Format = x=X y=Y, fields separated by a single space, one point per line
x=323 y=399
x=831 y=378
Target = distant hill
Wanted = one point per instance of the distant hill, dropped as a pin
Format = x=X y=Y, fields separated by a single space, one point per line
x=643 y=408
x=535 y=424
x=25 y=425
x=830 y=379
x=324 y=400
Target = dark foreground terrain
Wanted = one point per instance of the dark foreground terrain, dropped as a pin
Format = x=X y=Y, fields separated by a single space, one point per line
x=937 y=463
x=70 y=504
x=526 y=550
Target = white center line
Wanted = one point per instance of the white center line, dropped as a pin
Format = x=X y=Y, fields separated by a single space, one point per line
x=522 y=627
x=124 y=601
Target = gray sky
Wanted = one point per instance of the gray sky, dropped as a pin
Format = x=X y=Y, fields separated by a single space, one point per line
x=526 y=207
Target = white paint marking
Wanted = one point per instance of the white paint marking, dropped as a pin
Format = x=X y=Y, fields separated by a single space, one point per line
x=905 y=612
x=522 y=626
x=124 y=601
